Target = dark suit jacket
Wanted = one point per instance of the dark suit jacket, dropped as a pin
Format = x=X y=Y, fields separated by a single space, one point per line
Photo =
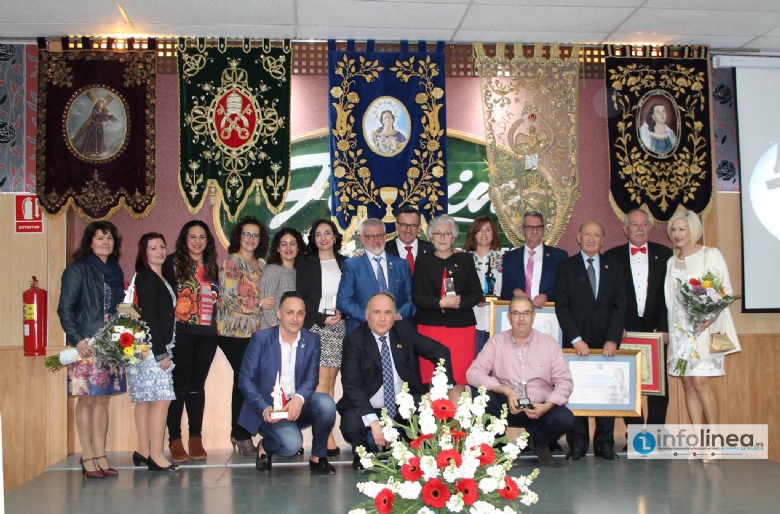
x=262 y=361
x=654 y=317
x=358 y=283
x=426 y=291
x=156 y=309
x=595 y=320
x=308 y=282
x=514 y=271
x=423 y=247
x=361 y=364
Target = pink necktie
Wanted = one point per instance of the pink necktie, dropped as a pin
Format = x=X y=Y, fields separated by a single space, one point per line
x=529 y=273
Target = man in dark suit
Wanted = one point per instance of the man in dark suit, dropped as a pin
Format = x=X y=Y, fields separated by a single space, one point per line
x=530 y=270
x=407 y=245
x=644 y=268
x=590 y=303
x=292 y=353
x=368 y=385
x=376 y=270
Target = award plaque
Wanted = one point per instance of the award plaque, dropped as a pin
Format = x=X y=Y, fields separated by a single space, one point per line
x=328 y=307
x=449 y=287
x=523 y=402
x=280 y=401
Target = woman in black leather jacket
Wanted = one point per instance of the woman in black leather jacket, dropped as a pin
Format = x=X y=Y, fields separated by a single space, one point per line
x=92 y=286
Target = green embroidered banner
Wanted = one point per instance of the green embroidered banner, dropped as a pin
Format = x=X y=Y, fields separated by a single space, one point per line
x=235 y=123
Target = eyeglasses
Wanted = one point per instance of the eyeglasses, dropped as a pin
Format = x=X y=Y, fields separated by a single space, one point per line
x=534 y=228
x=518 y=314
x=374 y=237
x=442 y=234
x=250 y=235
x=407 y=226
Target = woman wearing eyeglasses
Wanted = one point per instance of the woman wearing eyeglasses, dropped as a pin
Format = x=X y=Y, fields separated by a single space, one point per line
x=240 y=310
x=483 y=243
x=446 y=289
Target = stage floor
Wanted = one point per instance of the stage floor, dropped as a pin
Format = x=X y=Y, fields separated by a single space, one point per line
x=227 y=483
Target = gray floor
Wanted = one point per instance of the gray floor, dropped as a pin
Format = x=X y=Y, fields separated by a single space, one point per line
x=226 y=483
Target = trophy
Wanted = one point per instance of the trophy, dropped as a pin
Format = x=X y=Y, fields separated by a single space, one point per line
x=449 y=287
x=523 y=402
x=128 y=305
x=388 y=195
x=328 y=306
x=280 y=400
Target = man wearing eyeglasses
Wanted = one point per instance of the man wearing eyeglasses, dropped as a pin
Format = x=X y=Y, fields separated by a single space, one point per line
x=374 y=271
x=530 y=270
x=523 y=363
x=407 y=245
x=590 y=304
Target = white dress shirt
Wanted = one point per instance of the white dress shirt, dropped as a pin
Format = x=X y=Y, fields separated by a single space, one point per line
x=402 y=248
x=537 y=277
x=378 y=400
x=639 y=274
x=287 y=376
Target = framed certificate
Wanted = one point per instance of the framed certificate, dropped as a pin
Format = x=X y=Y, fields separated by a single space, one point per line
x=605 y=386
x=545 y=321
x=651 y=344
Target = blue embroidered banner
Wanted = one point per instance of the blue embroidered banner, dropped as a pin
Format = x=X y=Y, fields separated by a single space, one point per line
x=387 y=133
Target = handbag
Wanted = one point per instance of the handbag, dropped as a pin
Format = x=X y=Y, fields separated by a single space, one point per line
x=720 y=343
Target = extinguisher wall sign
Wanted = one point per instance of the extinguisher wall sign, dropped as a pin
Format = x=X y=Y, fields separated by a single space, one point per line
x=29 y=217
x=35 y=318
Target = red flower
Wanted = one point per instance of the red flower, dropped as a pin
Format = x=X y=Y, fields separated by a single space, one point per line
x=412 y=472
x=488 y=456
x=435 y=494
x=126 y=339
x=384 y=501
x=445 y=456
x=457 y=434
x=694 y=282
x=509 y=491
x=415 y=444
x=443 y=409
x=470 y=490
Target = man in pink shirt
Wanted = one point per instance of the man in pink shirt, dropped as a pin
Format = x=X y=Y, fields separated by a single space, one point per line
x=523 y=359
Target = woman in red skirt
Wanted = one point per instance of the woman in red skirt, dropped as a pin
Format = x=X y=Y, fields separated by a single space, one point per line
x=446 y=288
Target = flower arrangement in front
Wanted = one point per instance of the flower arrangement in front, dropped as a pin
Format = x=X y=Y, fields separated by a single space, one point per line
x=123 y=340
x=703 y=299
x=448 y=462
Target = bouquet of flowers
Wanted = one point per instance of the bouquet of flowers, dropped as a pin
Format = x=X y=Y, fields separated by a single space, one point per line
x=703 y=299
x=123 y=340
x=450 y=464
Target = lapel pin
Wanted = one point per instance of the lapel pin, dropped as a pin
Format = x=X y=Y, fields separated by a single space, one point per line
x=656 y=257
x=399 y=346
x=449 y=271
x=547 y=255
x=606 y=266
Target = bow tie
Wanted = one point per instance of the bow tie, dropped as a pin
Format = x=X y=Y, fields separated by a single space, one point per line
x=634 y=251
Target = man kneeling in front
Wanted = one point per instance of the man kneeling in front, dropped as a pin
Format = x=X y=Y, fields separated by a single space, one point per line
x=293 y=353
x=524 y=360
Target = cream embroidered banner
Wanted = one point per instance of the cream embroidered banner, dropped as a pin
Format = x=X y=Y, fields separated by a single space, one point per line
x=530 y=113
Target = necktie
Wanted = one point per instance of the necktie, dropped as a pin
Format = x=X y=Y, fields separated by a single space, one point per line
x=387 y=377
x=634 y=251
x=529 y=273
x=380 y=274
x=592 y=277
x=410 y=258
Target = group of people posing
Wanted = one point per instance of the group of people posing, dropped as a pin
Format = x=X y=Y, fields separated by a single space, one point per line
x=382 y=318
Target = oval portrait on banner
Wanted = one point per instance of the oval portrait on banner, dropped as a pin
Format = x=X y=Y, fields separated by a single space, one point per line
x=96 y=124
x=386 y=126
x=659 y=123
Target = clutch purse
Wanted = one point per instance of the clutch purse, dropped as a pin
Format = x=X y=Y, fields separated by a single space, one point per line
x=720 y=343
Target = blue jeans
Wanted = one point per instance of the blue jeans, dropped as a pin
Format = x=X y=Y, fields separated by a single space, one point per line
x=285 y=438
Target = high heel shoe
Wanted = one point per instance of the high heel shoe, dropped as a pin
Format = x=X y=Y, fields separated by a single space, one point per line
x=90 y=474
x=153 y=466
x=245 y=447
x=139 y=459
x=108 y=471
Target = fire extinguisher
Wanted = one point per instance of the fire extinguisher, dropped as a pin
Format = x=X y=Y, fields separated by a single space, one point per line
x=35 y=317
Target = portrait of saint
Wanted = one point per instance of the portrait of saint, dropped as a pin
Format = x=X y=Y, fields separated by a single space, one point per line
x=96 y=124
x=659 y=123
x=386 y=126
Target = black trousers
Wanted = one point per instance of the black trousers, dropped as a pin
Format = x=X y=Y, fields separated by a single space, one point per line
x=192 y=355
x=603 y=438
x=656 y=405
x=545 y=430
x=234 y=349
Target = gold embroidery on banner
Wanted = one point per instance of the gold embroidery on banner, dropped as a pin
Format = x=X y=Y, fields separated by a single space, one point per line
x=139 y=69
x=274 y=66
x=422 y=177
x=193 y=64
x=666 y=180
x=59 y=74
x=530 y=114
x=354 y=178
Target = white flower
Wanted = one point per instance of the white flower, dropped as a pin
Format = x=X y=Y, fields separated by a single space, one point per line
x=529 y=498
x=496 y=471
x=118 y=329
x=451 y=473
x=455 y=503
x=479 y=405
x=426 y=419
x=389 y=432
x=463 y=414
x=425 y=510
x=365 y=457
x=497 y=426
x=357 y=511
x=486 y=485
x=509 y=510
x=405 y=402
x=522 y=441
x=139 y=335
x=401 y=452
x=428 y=467
x=370 y=489
x=115 y=337
x=482 y=507
x=408 y=490
x=445 y=441
x=470 y=464
x=511 y=451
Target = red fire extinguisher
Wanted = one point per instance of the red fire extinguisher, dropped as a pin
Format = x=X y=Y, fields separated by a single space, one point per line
x=34 y=320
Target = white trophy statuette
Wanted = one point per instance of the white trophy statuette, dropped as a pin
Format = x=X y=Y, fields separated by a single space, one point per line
x=280 y=400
